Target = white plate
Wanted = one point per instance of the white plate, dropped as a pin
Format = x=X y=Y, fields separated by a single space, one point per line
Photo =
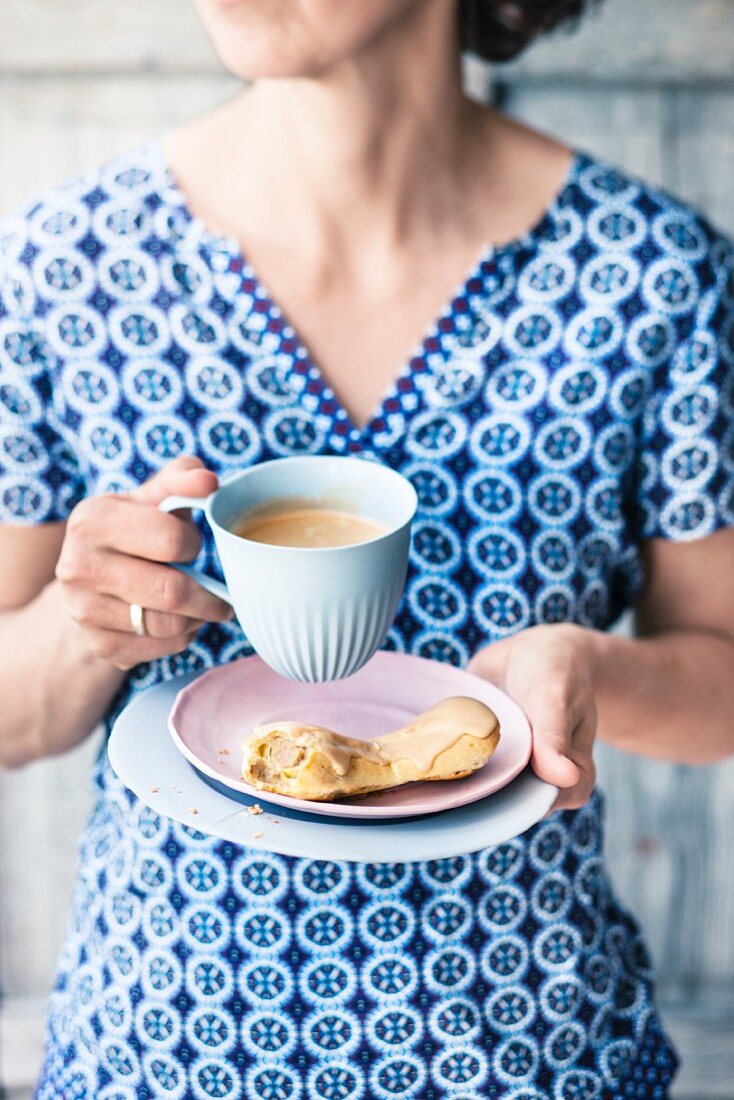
x=144 y=757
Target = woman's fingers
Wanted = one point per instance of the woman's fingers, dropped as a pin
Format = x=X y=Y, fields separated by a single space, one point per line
x=552 y=719
x=563 y=739
x=184 y=476
x=574 y=796
x=113 y=555
x=552 y=757
x=549 y=671
x=128 y=526
x=101 y=612
x=125 y=651
x=132 y=580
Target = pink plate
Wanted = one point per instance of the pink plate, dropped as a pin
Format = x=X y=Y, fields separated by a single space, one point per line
x=218 y=709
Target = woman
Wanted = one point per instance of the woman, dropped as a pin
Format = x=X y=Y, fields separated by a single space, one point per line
x=563 y=421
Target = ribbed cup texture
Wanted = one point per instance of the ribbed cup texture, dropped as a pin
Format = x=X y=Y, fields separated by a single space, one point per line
x=318 y=640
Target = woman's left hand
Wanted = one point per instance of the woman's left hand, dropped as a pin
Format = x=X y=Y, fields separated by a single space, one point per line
x=550 y=672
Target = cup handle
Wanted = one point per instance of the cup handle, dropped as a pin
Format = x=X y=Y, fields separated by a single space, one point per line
x=173 y=504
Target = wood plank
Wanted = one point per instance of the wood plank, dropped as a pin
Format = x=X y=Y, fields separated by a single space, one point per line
x=51 y=129
x=624 y=125
x=42 y=811
x=702 y=156
x=697 y=945
x=643 y=41
x=640 y=42
x=94 y=36
x=703 y=1034
x=21 y=1043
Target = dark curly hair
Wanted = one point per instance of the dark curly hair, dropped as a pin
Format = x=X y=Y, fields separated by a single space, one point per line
x=498 y=30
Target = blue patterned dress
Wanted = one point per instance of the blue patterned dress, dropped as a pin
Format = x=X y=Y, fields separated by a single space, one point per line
x=574 y=398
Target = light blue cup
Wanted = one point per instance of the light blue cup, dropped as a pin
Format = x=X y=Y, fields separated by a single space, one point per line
x=312 y=614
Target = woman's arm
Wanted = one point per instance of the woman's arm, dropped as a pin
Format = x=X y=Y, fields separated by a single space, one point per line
x=54 y=690
x=65 y=589
x=668 y=693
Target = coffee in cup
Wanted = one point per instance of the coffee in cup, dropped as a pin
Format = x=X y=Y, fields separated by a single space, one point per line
x=319 y=611
x=306 y=525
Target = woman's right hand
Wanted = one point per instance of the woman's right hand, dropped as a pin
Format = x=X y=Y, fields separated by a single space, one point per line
x=114 y=554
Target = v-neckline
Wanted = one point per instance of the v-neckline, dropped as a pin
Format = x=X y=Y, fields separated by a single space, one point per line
x=403 y=394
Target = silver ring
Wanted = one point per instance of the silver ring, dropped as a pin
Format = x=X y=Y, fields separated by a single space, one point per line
x=137 y=618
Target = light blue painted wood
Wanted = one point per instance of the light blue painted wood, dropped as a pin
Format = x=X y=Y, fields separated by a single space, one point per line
x=668 y=115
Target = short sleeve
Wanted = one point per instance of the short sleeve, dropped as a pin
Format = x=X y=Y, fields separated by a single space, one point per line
x=685 y=477
x=40 y=476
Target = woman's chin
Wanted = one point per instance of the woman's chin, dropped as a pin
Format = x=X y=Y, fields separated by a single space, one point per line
x=254 y=57
x=261 y=39
x=251 y=65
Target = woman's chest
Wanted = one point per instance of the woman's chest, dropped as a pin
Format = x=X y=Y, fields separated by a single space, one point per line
x=182 y=356
x=522 y=455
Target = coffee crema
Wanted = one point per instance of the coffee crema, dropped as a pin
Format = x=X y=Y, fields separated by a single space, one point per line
x=314 y=528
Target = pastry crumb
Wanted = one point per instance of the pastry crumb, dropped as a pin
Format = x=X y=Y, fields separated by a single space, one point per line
x=176 y=790
x=256 y=808
x=154 y=790
x=223 y=752
x=256 y=836
x=192 y=810
x=274 y=820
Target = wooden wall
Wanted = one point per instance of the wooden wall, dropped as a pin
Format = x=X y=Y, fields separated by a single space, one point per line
x=647 y=83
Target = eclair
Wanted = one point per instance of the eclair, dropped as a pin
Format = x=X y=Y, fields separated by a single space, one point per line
x=450 y=741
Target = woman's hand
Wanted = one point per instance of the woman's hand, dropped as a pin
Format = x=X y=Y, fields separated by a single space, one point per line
x=113 y=555
x=550 y=671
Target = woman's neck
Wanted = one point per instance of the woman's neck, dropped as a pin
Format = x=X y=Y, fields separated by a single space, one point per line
x=378 y=141
x=376 y=137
